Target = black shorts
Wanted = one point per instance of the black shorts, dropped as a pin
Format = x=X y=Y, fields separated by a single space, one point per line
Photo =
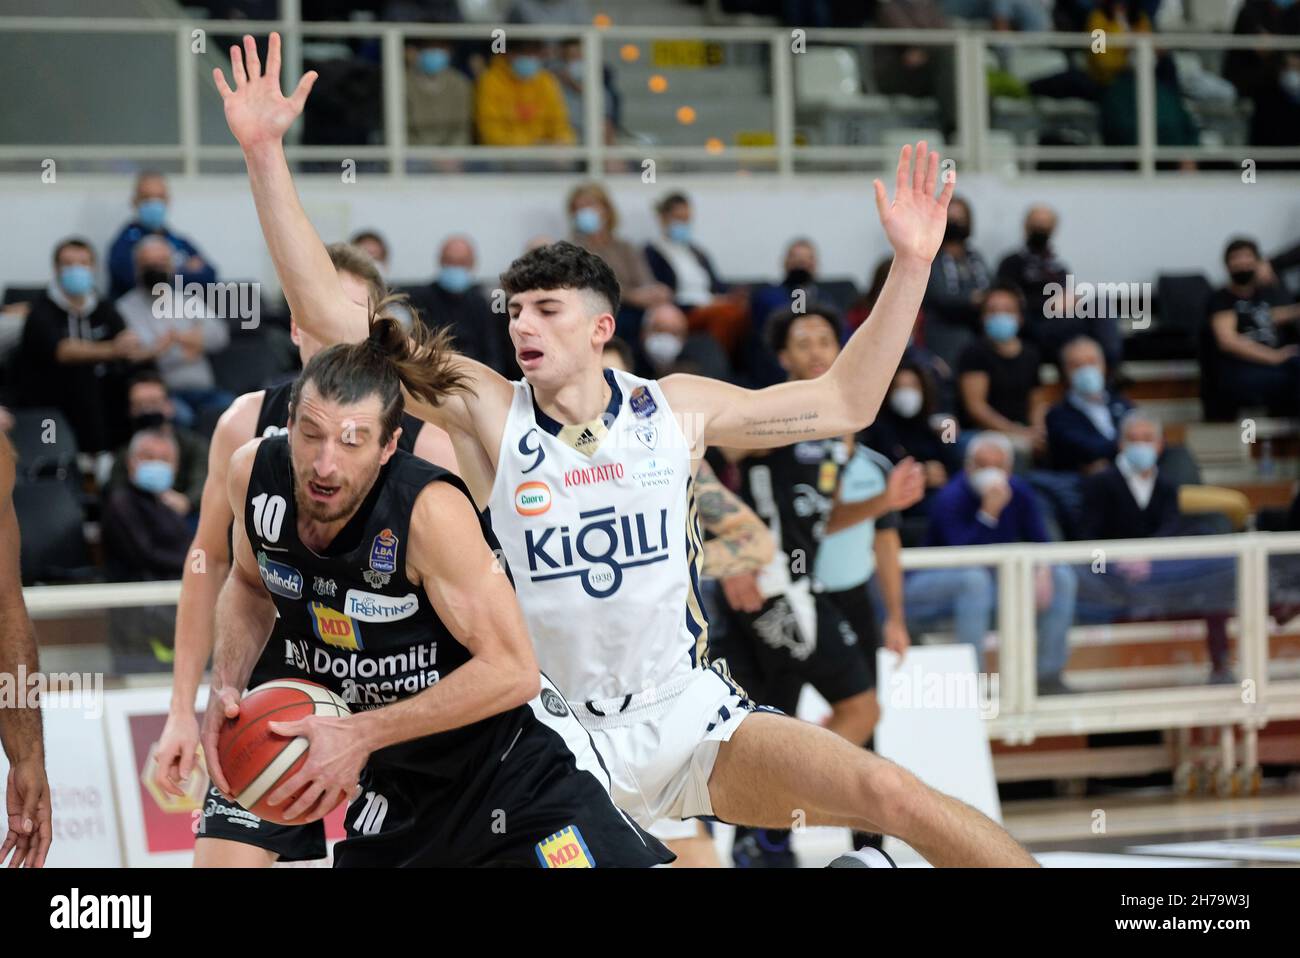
x=538 y=797
x=225 y=819
x=767 y=653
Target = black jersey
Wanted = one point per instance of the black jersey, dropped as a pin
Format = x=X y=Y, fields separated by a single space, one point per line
x=273 y=420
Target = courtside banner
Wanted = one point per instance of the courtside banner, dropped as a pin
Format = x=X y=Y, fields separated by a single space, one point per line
x=159 y=829
x=85 y=827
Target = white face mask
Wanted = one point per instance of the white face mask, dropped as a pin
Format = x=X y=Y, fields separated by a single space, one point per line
x=982 y=480
x=906 y=401
x=662 y=348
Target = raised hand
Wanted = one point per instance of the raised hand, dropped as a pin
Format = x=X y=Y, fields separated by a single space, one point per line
x=916 y=219
x=257 y=112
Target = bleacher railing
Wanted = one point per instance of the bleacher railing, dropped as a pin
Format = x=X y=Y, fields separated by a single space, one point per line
x=973 y=51
x=1021 y=715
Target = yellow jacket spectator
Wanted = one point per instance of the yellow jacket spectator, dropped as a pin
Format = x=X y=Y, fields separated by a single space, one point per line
x=518 y=103
x=1113 y=18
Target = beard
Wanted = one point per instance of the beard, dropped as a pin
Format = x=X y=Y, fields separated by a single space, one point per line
x=346 y=501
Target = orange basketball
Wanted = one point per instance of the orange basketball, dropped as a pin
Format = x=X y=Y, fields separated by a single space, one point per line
x=255 y=759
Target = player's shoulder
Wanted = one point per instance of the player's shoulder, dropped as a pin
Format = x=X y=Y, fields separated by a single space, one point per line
x=243 y=458
x=239 y=422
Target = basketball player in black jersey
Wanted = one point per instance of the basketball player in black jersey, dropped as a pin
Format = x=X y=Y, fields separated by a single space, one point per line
x=227 y=834
x=457 y=751
x=27 y=793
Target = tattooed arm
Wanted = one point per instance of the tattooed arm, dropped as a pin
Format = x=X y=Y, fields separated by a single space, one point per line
x=743 y=542
x=847 y=396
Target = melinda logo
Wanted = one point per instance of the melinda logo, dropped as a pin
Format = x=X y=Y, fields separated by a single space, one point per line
x=532 y=498
x=369 y=607
x=593 y=475
x=280 y=579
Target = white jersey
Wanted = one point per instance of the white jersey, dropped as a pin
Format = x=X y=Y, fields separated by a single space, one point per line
x=604 y=544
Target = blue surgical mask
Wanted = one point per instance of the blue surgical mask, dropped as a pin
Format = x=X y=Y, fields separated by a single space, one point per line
x=455 y=279
x=577 y=70
x=1140 y=455
x=679 y=232
x=154 y=475
x=588 y=220
x=151 y=214
x=76 y=280
x=526 y=67
x=1087 y=381
x=434 y=61
x=1001 y=327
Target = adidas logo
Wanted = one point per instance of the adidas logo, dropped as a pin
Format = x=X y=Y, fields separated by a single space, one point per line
x=586 y=439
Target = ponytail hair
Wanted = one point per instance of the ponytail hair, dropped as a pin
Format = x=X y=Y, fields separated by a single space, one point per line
x=388 y=360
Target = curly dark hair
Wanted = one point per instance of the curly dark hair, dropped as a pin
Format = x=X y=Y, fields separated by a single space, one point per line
x=778 y=326
x=562 y=265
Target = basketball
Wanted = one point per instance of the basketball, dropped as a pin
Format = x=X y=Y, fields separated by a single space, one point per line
x=255 y=759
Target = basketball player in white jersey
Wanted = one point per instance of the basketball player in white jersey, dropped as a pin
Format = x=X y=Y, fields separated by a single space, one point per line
x=246 y=845
x=588 y=473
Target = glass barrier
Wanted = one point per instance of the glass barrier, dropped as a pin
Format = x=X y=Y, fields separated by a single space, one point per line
x=955 y=604
x=1283 y=621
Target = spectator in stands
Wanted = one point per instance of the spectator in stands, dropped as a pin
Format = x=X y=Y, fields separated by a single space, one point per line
x=669 y=346
x=1113 y=18
x=571 y=71
x=376 y=247
x=151 y=409
x=144 y=535
x=1254 y=366
x=985 y=505
x=922 y=71
x=959 y=280
x=439 y=98
x=678 y=262
x=455 y=301
x=906 y=427
x=180 y=332
x=1027 y=16
x=150 y=202
x=800 y=265
x=75 y=352
x=563 y=12
x=1132 y=499
x=518 y=102
x=1270 y=78
x=594 y=225
x=1083 y=428
x=998 y=378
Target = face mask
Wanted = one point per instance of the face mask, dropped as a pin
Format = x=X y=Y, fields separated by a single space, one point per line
x=526 y=67
x=1242 y=277
x=1290 y=83
x=956 y=231
x=455 y=279
x=76 y=280
x=1087 y=381
x=433 y=61
x=1140 y=455
x=588 y=220
x=1037 y=240
x=154 y=475
x=798 y=277
x=577 y=70
x=679 y=232
x=906 y=401
x=151 y=214
x=982 y=480
x=662 y=348
x=1001 y=327
x=150 y=278
x=148 y=420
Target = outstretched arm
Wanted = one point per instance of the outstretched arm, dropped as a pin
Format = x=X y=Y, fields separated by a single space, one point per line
x=846 y=398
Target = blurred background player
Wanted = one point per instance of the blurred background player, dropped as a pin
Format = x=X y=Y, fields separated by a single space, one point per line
x=27 y=793
x=223 y=841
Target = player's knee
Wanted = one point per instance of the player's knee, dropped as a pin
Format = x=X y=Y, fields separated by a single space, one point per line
x=887 y=793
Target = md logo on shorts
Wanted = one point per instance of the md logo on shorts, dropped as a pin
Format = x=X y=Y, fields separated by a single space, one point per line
x=280 y=579
x=554 y=703
x=334 y=628
x=565 y=849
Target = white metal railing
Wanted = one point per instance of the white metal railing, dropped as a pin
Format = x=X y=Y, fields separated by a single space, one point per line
x=971 y=49
x=1022 y=715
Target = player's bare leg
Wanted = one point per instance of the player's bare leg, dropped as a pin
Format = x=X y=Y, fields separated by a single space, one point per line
x=697 y=851
x=221 y=853
x=774 y=766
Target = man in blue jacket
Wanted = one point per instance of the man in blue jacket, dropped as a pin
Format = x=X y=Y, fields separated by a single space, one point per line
x=150 y=203
x=1083 y=428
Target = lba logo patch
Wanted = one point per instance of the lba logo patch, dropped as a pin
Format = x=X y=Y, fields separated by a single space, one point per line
x=383 y=552
x=532 y=498
x=565 y=849
x=334 y=628
x=280 y=579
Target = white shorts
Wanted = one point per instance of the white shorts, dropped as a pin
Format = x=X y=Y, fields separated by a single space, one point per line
x=660 y=745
